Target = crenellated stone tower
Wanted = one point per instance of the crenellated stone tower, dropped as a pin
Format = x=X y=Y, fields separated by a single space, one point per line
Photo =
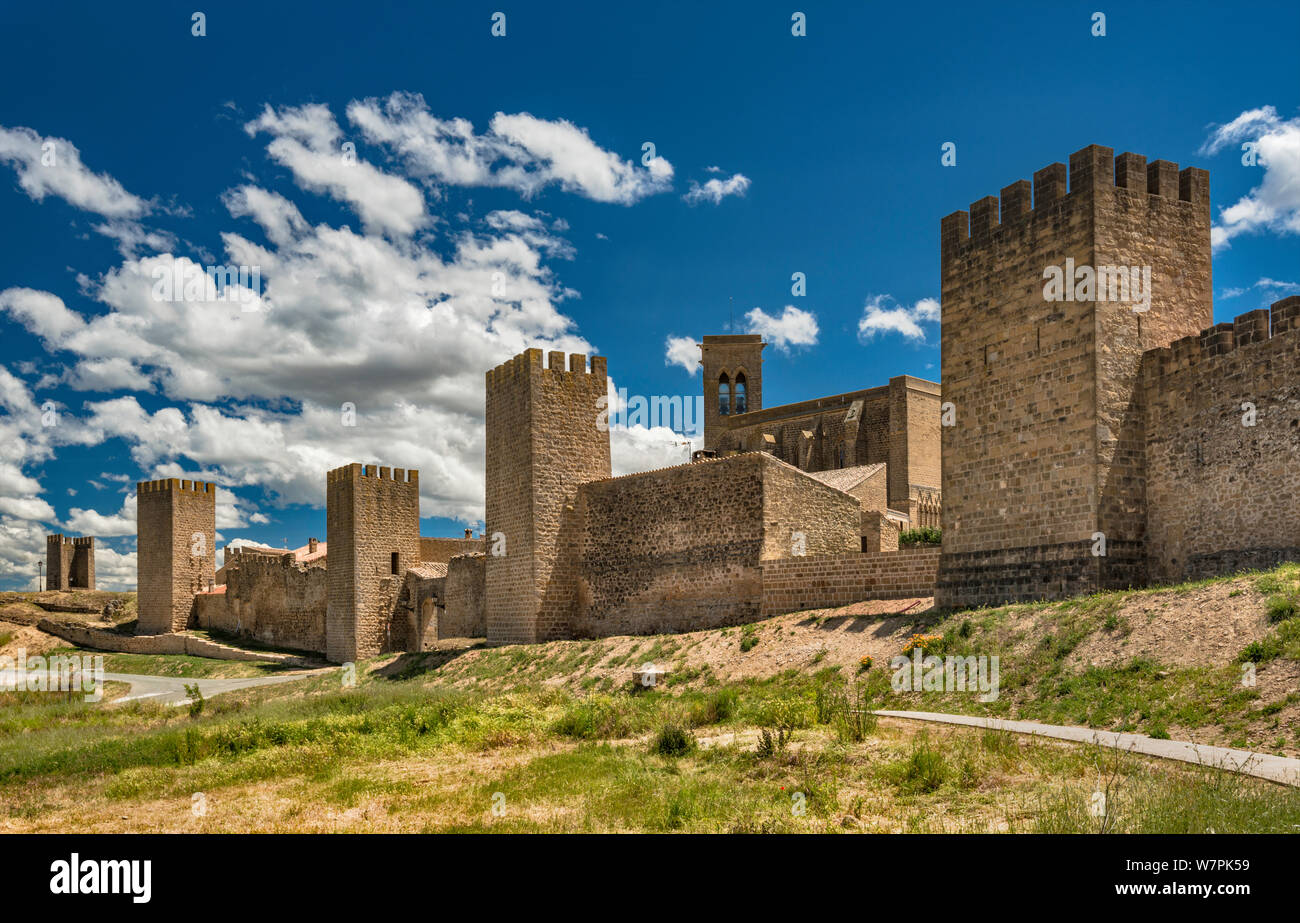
x=372 y=516
x=546 y=435
x=176 y=545
x=69 y=563
x=1046 y=452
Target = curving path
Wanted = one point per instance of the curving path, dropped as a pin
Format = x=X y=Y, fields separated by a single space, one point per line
x=1281 y=769
x=170 y=690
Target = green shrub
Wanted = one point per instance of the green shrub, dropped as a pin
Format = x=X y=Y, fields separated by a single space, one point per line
x=598 y=717
x=1268 y=584
x=854 y=716
x=778 y=718
x=923 y=771
x=783 y=712
x=826 y=701
x=196 y=699
x=1260 y=651
x=1280 y=608
x=748 y=638
x=846 y=706
x=673 y=740
x=715 y=708
x=926 y=535
x=772 y=741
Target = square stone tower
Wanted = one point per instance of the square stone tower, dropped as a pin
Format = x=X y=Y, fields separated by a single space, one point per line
x=82 y=574
x=372 y=516
x=913 y=440
x=546 y=435
x=733 y=377
x=1047 y=448
x=58 y=562
x=176 y=549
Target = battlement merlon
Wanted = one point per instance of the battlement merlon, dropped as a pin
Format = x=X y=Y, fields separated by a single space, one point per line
x=1252 y=327
x=1090 y=168
x=176 y=484
x=530 y=362
x=59 y=539
x=357 y=470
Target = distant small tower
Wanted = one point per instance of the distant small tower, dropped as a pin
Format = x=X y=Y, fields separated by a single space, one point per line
x=733 y=380
x=176 y=550
x=58 y=562
x=82 y=576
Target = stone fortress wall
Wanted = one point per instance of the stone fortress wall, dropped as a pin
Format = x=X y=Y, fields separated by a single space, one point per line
x=681 y=548
x=1222 y=424
x=271 y=599
x=1171 y=440
x=1061 y=421
x=568 y=550
x=461 y=612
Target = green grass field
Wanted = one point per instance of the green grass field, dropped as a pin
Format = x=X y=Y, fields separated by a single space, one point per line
x=524 y=739
x=791 y=753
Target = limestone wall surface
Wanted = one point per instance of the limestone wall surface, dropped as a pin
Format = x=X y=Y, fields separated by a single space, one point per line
x=825 y=581
x=462 y=613
x=681 y=548
x=173 y=643
x=437 y=550
x=1222 y=447
x=1046 y=448
x=373 y=521
x=176 y=536
x=544 y=439
x=273 y=600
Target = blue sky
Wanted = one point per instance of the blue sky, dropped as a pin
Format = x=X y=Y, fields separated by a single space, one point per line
x=519 y=161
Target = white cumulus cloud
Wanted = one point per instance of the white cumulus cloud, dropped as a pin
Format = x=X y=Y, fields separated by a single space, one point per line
x=1274 y=204
x=882 y=314
x=792 y=327
x=306 y=139
x=683 y=351
x=518 y=151
x=715 y=190
x=52 y=166
x=359 y=340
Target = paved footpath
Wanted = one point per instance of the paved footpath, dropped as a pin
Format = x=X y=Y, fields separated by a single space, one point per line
x=1262 y=765
x=170 y=690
